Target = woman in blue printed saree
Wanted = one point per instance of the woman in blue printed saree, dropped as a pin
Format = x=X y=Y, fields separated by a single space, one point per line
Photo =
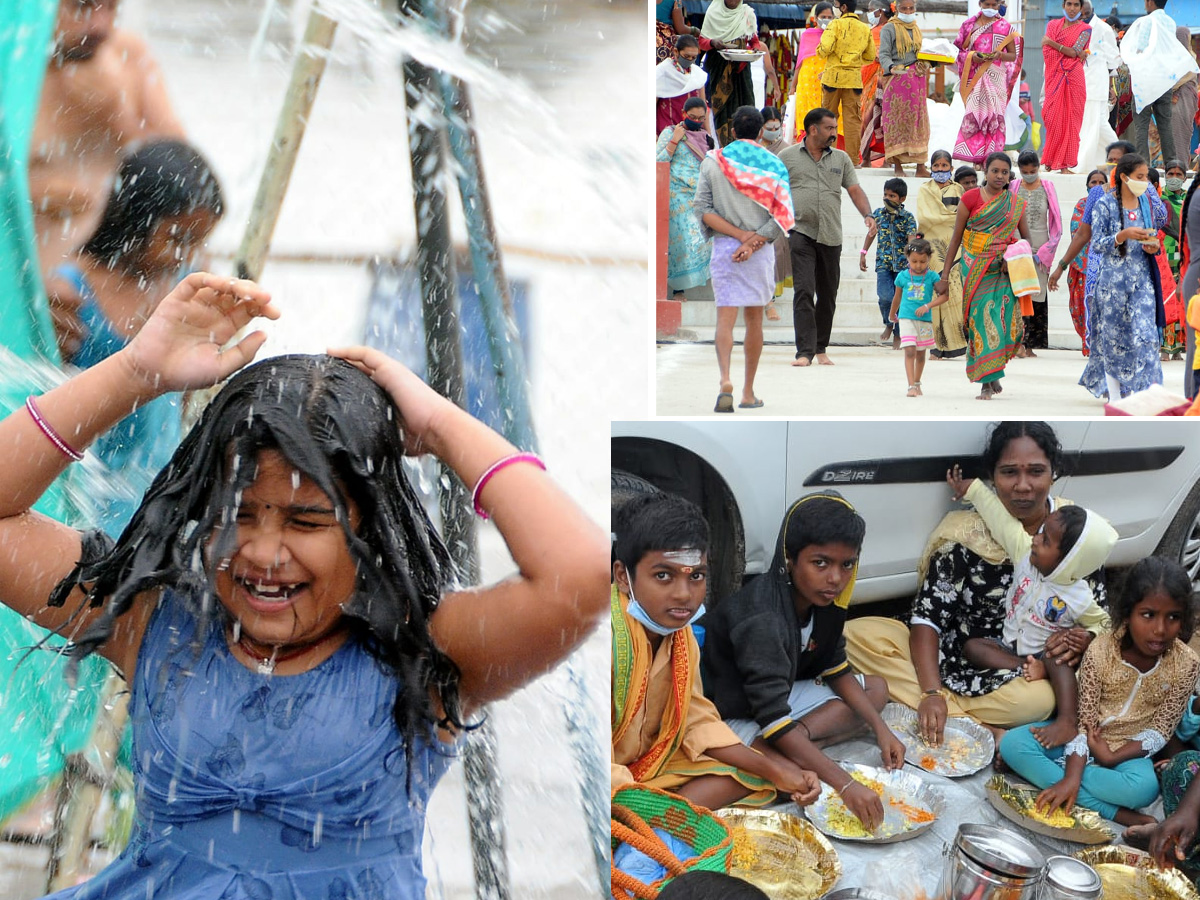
x=989 y=218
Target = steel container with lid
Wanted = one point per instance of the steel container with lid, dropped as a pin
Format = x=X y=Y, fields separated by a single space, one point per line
x=1069 y=879
x=990 y=863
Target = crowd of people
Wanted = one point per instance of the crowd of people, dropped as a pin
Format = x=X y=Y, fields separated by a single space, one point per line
x=1091 y=694
x=862 y=86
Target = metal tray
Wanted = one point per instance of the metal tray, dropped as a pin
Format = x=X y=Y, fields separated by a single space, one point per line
x=1014 y=800
x=1129 y=874
x=967 y=746
x=784 y=855
x=900 y=785
x=741 y=55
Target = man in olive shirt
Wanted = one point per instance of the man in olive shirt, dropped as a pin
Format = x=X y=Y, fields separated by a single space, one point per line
x=817 y=173
x=847 y=46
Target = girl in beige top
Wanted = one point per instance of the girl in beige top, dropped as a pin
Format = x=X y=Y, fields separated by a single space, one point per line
x=1133 y=686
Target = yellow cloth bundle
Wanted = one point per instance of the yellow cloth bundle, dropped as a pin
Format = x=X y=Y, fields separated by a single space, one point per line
x=1022 y=274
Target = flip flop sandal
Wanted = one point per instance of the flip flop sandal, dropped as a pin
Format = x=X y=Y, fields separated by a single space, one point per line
x=724 y=403
x=757 y=404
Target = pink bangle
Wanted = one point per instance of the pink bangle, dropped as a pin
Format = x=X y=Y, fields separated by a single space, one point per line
x=496 y=467
x=53 y=436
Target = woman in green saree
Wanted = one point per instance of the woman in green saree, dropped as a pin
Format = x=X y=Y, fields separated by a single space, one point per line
x=989 y=219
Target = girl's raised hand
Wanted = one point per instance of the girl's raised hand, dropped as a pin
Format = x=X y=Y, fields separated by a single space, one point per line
x=419 y=404
x=179 y=347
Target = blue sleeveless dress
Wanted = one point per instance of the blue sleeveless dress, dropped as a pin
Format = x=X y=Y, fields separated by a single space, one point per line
x=142 y=444
x=257 y=787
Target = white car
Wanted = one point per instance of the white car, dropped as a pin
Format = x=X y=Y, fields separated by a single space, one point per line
x=1142 y=475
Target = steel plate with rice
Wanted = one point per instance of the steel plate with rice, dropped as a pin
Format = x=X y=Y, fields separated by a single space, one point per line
x=910 y=807
x=1015 y=800
x=966 y=745
x=781 y=853
x=1129 y=874
x=742 y=55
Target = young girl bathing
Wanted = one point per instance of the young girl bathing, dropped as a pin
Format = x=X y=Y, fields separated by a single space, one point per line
x=1133 y=686
x=300 y=656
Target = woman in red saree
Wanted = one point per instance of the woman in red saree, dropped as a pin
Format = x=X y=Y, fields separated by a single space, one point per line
x=989 y=219
x=1064 y=48
x=989 y=61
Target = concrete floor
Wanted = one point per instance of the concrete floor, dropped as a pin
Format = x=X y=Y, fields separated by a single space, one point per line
x=870 y=381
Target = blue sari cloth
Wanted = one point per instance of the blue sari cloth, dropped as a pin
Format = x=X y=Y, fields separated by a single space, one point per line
x=688 y=253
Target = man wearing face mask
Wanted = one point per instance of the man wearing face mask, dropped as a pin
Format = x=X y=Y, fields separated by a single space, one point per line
x=817 y=174
x=665 y=732
x=675 y=80
x=1156 y=61
x=846 y=46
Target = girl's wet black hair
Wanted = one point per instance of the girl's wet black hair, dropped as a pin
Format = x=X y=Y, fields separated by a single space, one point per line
x=1156 y=573
x=160 y=179
x=339 y=428
x=658 y=521
x=1005 y=432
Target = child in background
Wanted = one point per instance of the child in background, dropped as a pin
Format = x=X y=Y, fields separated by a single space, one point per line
x=911 y=304
x=1133 y=685
x=1045 y=230
x=1077 y=271
x=665 y=732
x=1049 y=593
x=165 y=201
x=967 y=177
x=895 y=226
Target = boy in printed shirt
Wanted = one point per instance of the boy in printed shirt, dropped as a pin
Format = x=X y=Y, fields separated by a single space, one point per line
x=895 y=226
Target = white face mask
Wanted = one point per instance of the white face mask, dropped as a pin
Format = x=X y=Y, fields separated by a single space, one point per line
x=1030 y=177
x=990 y=13
x=873 y=17
x=1137 y=188
x=772 y=134
x=907 y=18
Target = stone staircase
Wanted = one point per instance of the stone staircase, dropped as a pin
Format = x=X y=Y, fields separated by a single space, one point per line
x=857 y=321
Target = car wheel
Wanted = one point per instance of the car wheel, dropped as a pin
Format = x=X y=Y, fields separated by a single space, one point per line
x=625 y=486
x=1181 y=542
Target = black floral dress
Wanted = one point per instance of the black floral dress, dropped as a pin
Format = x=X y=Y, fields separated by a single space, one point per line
x=963 y=595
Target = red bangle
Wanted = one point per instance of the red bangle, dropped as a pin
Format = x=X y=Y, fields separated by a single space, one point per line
x=53 y=436
x=496 y=467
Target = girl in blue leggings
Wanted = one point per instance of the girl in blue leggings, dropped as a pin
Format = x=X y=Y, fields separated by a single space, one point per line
x=1133 y=686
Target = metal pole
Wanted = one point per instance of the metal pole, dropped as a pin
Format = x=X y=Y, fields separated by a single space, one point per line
x=435 y=266
x=307 y=70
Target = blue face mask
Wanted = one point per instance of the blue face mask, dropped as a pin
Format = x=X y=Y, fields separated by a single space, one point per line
x=639 y=614
x=942 y=177
x=1074 y=18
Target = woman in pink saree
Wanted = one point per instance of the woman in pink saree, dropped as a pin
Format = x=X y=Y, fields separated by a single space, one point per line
x=989 y=62
x=1064 y=48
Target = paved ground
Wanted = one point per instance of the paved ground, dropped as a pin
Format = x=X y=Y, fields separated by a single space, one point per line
x=870 y=381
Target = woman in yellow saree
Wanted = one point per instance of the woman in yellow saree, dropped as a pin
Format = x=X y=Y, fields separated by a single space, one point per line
x=809 y=67
x=986 y=224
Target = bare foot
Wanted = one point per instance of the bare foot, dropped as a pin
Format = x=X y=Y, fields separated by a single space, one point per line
x=1055 y=734
x=1133 y=818
x=1139 y=835
x=1034 y=669
x=896 y=341
x=801 y=361
x=1022 y=352
x=922 y=172
x=917 y=385
x=1029 y=353
x=824 y=360
x=897 y=169
x=913 y=391
x=985 y=393
x=772 y=312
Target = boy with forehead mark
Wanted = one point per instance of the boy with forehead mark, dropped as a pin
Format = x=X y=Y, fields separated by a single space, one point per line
x=665 y=733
